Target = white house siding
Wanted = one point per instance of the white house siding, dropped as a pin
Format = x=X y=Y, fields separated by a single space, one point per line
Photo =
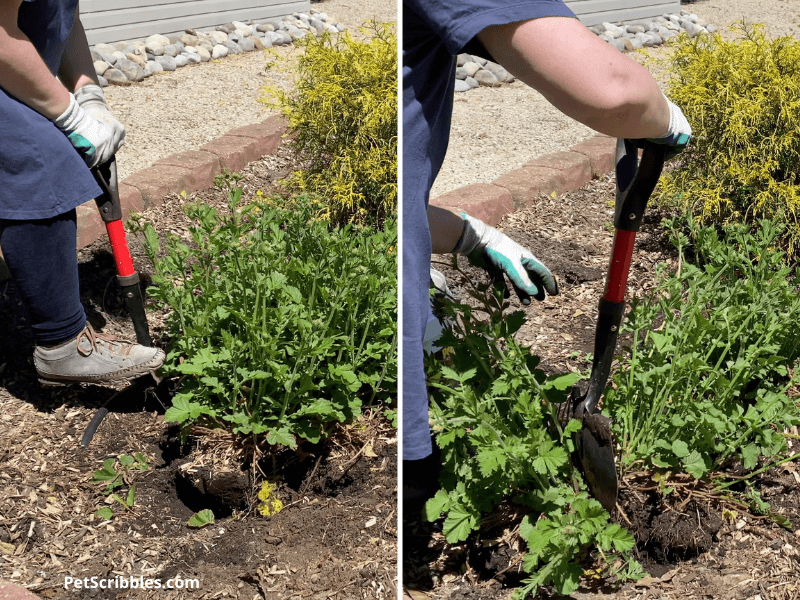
x=115 y=20
x=592 y=12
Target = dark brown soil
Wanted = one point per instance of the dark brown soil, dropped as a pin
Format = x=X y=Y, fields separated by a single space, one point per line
x=691 y=545
x=336 y=536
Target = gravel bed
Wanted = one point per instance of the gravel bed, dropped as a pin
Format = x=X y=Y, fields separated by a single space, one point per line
x=497 y=130
x=187 y=108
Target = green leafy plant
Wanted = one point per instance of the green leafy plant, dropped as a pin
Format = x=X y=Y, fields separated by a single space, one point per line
x=343 y=112
x=705 y=378
x=494 y=414
x=201 y=519
x=115 y=474
x=742 y=99
x=281 y=324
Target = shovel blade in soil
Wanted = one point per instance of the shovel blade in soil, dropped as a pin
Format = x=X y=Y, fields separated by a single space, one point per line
x=596 y=453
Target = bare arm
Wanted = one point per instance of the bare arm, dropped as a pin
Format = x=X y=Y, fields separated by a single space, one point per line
x=23 y=73
x=77 y=68
x=446 y=229
x=581 y=75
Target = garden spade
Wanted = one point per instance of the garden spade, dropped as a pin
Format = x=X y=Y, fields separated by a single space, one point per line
x=594 y=445
x=111 y=212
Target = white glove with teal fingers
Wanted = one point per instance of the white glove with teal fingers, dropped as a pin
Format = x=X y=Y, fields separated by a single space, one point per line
x=91 y=98
x=494 y=251
x=91 y=138
x=678 y=134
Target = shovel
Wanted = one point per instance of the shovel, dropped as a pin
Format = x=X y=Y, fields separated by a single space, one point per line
x=594 y=445
x=111 y=212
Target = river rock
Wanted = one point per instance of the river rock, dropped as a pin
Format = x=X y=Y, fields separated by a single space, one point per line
x=498 y=71
x=692 y=29
x=463 y=59
x=189 y=40
x=167 y=62
x=462 y=86
x=154 y=67
x=102 y=81
x=614 y=30
x=204 y=54
x=182 y=60
x=227 y=28
x=100 y=66
x=218 y=37
x=486 y=78
x=471 y=68
x=139 y=60
x=233 y=47
x=246 y=45
x=107 y=48
x=219 y=51
x=618 y=43
x=321 y=16
x=154 y=48
x=264 y=27
x=159 y=39
x=712 y=28
x=471 y=82
x=256 y=41
x=115 y=76
x=340 y=26
x=461 y=73
x=635 y=29
x=95 y=55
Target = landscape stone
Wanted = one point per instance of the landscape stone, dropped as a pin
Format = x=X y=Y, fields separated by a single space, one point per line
x=264 y=27
x=189 y=40
x=233 y=47
x=139 y=60
x=227 y=28
x=157 y=38
x=471 y=68
x=461 y=73
x=219 y=51
x=618 y=43
x=100 y=66
x=635 y=29
x=182 y=60
x=322 y=16
x=480 y=60
x=486 y=78
x=463 y=59
x=204 y=54
x=107 y=48
x=498 y=71
x=154 y=67
x=115 y=76
x=462 y=86
x=257 y=43
x=218 y=37
x=108 y=57
x=171 y=50
x=246 y=45
x=95 y=55
x=340 y=26
x=102 y=81
x=472 y=83
x=318 y=25
x=167 y=62
x=154 y=48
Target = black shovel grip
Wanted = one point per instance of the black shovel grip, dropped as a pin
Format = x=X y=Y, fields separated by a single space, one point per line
x=636 y=180
x=109 y=203
x=605 y=343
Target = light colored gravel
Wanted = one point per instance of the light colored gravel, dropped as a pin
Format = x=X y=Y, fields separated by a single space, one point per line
x=189 y=107
x=497 y=130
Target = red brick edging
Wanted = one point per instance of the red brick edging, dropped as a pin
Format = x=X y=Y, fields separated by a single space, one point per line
x=190 y=171
x=558 y=172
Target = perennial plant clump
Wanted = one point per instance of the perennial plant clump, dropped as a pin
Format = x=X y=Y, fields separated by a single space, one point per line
x=343 y=112
x=712 y=357
x=281 y=324
x=742 y=99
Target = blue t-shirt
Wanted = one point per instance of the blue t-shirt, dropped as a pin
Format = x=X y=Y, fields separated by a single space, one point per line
x=41 y=174
x=434 y=32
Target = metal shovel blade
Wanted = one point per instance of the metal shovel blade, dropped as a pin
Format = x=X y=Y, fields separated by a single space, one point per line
x=596 y=454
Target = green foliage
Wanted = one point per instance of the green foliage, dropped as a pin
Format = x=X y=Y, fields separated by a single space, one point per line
x=742 y=99
x=281 y=324
x=343 y=111
x=493 y=412
x=114 y=475
x=201 y=519
x=707 y=377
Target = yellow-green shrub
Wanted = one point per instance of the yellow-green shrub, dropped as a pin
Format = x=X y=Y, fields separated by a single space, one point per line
x=343 y=111
x=742 y=99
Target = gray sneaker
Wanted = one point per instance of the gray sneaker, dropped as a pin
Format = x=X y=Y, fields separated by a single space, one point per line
x=95 y=358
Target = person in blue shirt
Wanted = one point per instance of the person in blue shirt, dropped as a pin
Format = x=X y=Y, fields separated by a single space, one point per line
x=52 y=130
x=543 y=44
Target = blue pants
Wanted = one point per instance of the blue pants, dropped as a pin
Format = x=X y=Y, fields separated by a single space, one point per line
x=44 y=265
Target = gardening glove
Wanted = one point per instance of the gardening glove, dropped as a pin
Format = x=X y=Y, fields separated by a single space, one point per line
x=497 y=253
x=678 y=134
x=91 y=98
x=91 y=138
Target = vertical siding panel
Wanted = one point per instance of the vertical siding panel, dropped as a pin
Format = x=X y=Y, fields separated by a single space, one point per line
x=115 y=20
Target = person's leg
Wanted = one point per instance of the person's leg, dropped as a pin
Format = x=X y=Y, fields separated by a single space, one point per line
x=41 y=257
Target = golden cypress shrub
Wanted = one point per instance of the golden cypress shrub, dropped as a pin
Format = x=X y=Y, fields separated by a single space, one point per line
x=343 y=112
x=742 y=99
